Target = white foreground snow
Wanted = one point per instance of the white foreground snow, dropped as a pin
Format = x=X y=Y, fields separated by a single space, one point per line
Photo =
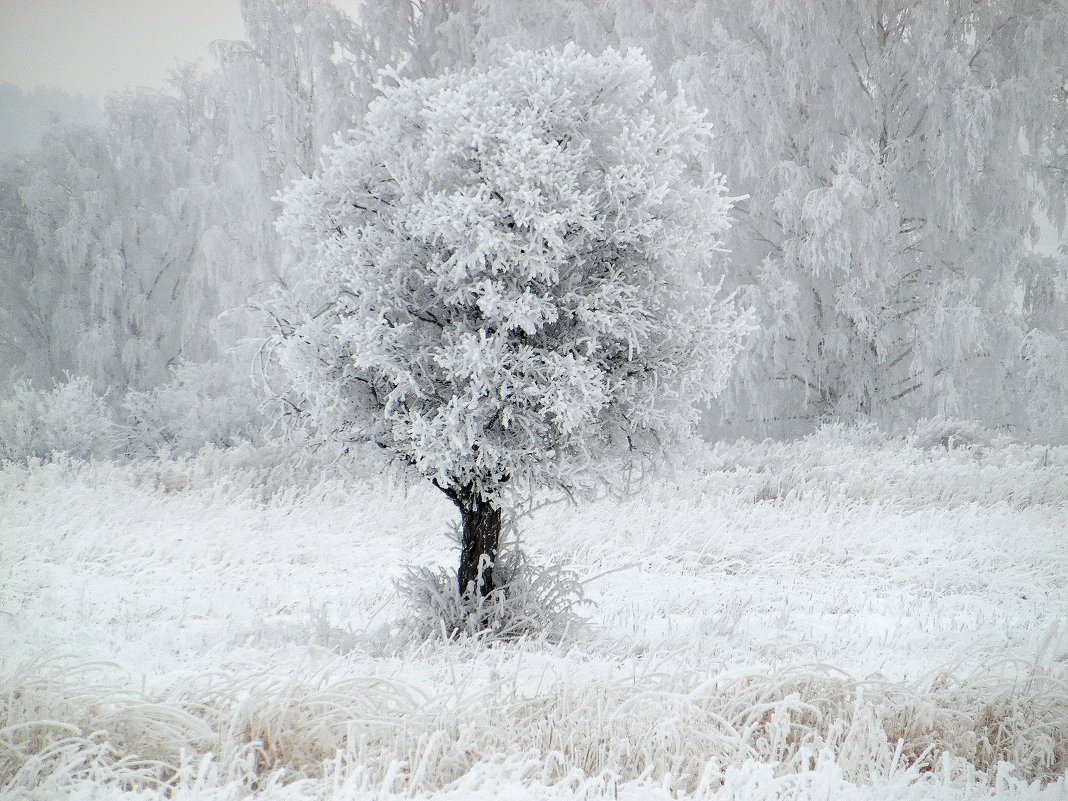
x=843 y=618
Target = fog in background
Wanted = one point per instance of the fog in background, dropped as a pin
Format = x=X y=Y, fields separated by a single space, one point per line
x=60 y=58
x=94 y=47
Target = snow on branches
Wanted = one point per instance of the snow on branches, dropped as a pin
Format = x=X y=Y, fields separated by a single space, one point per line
x=893 y=155
x=511 y=274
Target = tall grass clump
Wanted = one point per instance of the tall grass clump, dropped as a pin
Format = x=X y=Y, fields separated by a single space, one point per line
x=530 y=600
x=60 y=725
x=683 y=731
x=943 y=463
x=682 y=728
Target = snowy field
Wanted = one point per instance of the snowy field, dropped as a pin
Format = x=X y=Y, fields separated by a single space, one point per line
x=846 y=617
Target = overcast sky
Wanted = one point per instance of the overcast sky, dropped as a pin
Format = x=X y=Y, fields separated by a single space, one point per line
x=97 y=46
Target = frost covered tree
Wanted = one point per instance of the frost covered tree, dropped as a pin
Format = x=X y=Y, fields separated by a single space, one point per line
x=125 y=242
x=26 y=341
x=290 y=84
x=117 y=219
x=893 y=152
x=512 y=282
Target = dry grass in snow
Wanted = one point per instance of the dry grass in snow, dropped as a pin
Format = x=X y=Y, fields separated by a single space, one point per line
x=844 y=617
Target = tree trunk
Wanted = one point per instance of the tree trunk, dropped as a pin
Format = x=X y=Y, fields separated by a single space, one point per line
x=481 y=526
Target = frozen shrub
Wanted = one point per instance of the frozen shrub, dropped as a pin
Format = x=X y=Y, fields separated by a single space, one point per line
x=70 y=418
x=214 y=403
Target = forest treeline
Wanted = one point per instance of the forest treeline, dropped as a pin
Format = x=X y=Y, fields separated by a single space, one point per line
x=890 y=160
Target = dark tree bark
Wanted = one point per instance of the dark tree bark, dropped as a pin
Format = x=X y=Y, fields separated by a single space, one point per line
x=481 y=537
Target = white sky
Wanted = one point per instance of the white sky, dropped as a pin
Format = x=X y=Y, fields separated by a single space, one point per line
x=97 y=46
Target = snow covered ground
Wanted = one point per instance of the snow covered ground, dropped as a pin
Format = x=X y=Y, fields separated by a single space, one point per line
x=843 y=617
